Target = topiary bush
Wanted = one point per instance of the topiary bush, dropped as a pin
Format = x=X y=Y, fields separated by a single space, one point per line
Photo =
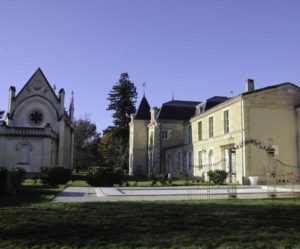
x=104 y=177
x=54 y=176
x=3 y=179
x=217 y=176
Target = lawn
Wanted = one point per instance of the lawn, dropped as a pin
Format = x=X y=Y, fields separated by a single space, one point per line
x=29 y=220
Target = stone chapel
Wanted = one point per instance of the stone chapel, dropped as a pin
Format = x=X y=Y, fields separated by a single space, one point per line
x=37 y=131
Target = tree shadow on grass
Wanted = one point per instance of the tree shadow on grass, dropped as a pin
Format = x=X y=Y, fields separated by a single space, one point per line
x=198 y=224
x=29 y=194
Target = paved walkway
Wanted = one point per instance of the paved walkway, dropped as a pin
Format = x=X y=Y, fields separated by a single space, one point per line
x=91 y=194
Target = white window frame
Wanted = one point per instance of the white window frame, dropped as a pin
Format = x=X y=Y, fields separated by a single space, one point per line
x=226 y=121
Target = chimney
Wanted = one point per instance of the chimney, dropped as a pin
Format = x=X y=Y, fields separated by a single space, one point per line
x=249 y=85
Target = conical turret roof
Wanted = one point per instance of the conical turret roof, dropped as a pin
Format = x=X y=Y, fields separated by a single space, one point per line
x=143 y=112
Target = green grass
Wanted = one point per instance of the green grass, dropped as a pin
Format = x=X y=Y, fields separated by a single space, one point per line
x=29 y=220
x=77 y=183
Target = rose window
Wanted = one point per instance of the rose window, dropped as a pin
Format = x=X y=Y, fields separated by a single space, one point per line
x=36 y=117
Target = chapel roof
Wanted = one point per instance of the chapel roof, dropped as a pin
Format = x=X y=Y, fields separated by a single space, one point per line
x=40 y=75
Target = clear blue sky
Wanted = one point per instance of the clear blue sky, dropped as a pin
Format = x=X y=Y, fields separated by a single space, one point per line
x=193 y=48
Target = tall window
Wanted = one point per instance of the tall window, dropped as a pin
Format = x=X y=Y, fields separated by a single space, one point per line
x=179 y=159
x=226 y=122
x=199 y=131
x=164 y=134
x=189 y=159
x=211 y=127
x=211 y=158
x=200 y=159
x=190 y=134
x=169 y=162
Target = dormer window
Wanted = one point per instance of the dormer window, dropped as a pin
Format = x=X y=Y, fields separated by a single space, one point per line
x=36 y=117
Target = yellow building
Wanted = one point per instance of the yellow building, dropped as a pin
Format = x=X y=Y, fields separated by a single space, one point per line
x=233 y=134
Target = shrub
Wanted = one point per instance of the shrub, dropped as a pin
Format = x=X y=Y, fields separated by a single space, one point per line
x=153 y=179
x=21 y=174
x=104 y=177
x=16 y=178
x=185 y=177
x=53 y=176
x=217 y=176
x=162 y=178
x=11 y=181
x=3 y=179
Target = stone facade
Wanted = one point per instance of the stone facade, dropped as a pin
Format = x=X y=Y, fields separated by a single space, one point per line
x=37 y=131
x=232 y=134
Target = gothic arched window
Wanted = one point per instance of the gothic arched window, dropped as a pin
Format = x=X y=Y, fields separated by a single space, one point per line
x=36 y=117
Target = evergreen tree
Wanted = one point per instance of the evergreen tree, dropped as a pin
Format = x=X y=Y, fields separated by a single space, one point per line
x=1 y=116
x=122 y=100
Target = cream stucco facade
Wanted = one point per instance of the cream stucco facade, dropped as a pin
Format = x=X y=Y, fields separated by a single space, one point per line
x=232 y=134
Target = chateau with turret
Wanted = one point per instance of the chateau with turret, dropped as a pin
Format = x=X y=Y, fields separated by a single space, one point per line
x=233 y=134
x=37 y=130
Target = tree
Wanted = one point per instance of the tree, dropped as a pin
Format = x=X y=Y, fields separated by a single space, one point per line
x=1 y=116
x=86 y=140
x=108 y=148
x=122 y=99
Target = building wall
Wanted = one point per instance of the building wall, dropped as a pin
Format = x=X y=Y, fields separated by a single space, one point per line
x=12 y=154
x=213 y=149
x=154 y=148
x=22 y=113
x=270 y=118
x=138 y=148
x=256 y=120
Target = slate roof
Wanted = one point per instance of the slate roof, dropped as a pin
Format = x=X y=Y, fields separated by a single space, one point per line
x=177 y=110
x=143 y=112
x=216 y=100
x=210 y=103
